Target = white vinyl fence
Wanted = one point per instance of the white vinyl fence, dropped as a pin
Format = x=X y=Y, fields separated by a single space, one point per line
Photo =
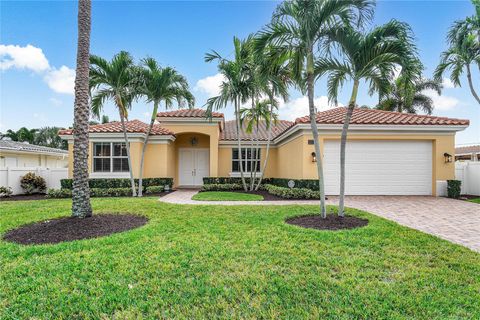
x=10 y=176
x=469 y=173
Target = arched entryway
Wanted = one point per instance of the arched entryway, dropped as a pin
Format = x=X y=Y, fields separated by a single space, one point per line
x=193 y=158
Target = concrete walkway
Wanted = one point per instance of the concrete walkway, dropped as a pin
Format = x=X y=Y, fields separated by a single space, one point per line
x=454 y=220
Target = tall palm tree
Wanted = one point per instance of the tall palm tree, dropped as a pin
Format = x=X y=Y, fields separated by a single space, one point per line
x=161 y=84
x=463 y=52
x=116 y=80
x=22 y=135
x=410 y=98
x=48 y=137
x=299 y=27
x=251 y=119
x=274 y=75
x=81 y=192
x=372 y=57
x=236 y=86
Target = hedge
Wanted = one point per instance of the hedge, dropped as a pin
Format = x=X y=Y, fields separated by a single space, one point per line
x=311 y=184
x=108 y=183
x=454 y=188
x=103 y=192
x=292 y=193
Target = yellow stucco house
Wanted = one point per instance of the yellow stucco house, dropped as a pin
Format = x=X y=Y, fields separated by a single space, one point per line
x=388 y=153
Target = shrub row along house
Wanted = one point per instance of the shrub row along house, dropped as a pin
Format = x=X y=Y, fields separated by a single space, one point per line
x=389 y=153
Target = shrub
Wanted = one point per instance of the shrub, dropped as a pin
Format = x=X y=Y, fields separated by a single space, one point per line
x=107 y=183
x=231 y=180
x=154 y=189
x=311 y=184
x=32 y=183
x=222 y=187
x=294 y=193
x=59 y=193
x=5 y=192
x=454 y=188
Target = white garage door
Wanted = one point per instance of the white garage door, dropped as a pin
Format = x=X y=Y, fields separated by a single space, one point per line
x=380 y=167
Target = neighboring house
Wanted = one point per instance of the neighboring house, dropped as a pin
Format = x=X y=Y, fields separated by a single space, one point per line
x=388 y=153
x=22 y=154
x=470 y=153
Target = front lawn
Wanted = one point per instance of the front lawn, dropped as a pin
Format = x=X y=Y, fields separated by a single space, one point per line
x=475 y=200
x=207 y=262
x=226 y=196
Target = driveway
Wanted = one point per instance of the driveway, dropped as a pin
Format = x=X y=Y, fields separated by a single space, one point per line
x=454 y=220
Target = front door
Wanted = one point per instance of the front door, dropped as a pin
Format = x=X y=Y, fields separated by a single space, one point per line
x=193 y=166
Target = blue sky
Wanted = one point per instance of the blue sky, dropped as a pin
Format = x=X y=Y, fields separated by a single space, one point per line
x=36 y=85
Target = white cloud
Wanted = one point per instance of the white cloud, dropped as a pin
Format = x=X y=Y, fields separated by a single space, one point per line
x=210 y=85
x=299 y=107
x=442 y=102
x=447 y=83
x=56 y=102
x=61 y=80
x=28 y=57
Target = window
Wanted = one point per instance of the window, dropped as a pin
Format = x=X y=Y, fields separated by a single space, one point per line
x=250 y=159
x=110 y=157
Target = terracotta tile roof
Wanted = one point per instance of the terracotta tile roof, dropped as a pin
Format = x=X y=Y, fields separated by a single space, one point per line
x=379 y=117
x=133 y=126
x=468 y=149
x=229 y=132
x=188 y=113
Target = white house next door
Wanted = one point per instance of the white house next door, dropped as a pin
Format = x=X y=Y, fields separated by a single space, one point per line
x=193 y=166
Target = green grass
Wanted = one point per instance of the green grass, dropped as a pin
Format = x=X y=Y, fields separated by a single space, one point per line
x=207 y=262
x=226 y=196
x=475 y=200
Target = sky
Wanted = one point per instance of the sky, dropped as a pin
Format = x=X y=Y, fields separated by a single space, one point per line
x=38 y=51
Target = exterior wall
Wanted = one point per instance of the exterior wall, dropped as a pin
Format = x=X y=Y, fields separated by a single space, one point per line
x=22 y=159
x=291 y=159
x=225 y=161
x=440 y=144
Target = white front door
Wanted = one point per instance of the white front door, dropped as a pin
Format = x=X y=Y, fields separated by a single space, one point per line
x=193 y=166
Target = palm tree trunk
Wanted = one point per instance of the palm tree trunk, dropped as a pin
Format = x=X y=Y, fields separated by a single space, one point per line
x=81 y=206
x=470 y=84
x=267 y=151
x=313 y=124
x=343 y=144
x=239 y=143
x=144 y=148
x=127 y=145
x=257 y=152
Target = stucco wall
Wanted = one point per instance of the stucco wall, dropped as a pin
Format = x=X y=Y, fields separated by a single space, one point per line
x=225 y=161
x=22 y=159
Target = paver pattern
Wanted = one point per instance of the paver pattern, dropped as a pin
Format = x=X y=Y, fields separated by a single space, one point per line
x=454 y=220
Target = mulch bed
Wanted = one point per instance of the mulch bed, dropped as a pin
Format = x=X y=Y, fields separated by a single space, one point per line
x=266 y=196
x=331 y=222
x=69 y=228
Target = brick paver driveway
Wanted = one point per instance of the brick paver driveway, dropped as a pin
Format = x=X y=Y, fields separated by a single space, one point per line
x=454 y=220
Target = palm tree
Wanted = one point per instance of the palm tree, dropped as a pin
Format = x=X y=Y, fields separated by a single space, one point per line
x=116 y=80
x=409 y=97
x=48 y=137
x=251 y=119
x=21 y=135
x=274 y=75
x=464 y=41
x=372 y=57
x=161 y=84
x=236 y=86
x=298 y=28
x=81 y=206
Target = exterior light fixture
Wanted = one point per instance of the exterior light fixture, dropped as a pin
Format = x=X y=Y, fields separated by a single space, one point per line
x=314 y=157
x=447 y=157
x=193 y=141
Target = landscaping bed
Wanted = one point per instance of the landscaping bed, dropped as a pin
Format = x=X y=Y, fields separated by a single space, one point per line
x=330 y=222
x=70 y=228
x=40 y=196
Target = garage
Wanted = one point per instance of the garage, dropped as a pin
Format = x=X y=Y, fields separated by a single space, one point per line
x=380 y=167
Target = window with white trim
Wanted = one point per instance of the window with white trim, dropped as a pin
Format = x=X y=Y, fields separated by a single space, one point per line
x=110 y=157
x=250 y=159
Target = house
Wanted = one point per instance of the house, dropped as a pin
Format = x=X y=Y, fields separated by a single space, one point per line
x=388 y=153
x=23 y=154
x=467 y=153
